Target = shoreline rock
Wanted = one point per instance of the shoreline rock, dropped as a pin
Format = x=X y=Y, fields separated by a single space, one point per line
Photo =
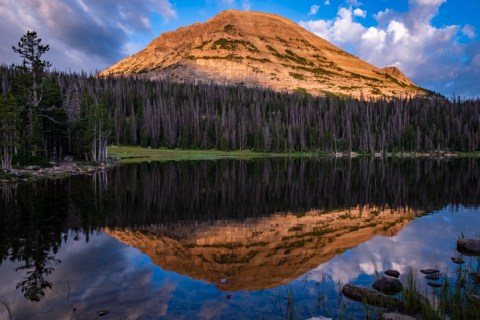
x=371 y=297
x=388 y=285
x=470 y=247
x=55 y=171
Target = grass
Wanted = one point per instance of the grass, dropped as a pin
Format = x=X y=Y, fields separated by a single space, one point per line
x=128 y=154
x=138 y=154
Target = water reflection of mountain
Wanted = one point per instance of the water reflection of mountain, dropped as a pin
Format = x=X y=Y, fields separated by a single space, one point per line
x=260 y=253
x=35 y=217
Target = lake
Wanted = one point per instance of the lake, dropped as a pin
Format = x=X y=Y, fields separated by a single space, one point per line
x=229 y=239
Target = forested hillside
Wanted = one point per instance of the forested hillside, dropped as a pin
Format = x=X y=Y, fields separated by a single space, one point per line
x=80 y=114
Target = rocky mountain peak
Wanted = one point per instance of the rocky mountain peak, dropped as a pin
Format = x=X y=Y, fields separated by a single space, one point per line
x=262 y=50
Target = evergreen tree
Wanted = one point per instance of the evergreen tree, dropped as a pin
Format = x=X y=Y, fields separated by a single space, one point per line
x=33 y=68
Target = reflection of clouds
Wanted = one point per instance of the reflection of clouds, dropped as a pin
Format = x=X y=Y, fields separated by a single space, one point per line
x=104 y=274
x=93 y=276
x=212 y=310
x=427 y=242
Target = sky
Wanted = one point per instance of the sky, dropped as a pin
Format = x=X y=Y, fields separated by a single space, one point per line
x=434 y=42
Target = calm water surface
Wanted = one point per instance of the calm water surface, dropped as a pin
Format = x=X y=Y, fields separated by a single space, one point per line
x=271 y=238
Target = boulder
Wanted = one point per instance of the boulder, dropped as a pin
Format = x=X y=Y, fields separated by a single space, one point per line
x=433 y=276
x=371 y=297
x=469 y=247
x=388 y=285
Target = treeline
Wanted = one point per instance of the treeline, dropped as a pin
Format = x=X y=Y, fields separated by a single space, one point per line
x=78 y=114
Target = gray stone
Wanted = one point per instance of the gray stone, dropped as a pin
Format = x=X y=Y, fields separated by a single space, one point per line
x=469 y=247
x=388 y=285
x=433 y=276
x=371 y=297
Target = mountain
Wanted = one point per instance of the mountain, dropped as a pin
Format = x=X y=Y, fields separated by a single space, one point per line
x=262 y=50
x=261 y=253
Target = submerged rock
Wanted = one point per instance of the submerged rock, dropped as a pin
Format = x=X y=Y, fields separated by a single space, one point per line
x=429 y=271
x=388 y=285
x=469 y=246
x=392 y=273
x=433 y=276
x=371 y=297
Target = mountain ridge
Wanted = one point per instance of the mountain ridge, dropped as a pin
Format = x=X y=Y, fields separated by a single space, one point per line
x=261 y=50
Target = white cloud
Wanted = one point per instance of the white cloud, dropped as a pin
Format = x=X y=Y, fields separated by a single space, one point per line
x=314 y=9
x=246 y=5
x=327 y=2
x=360 y=13
x=430 y=55
x=82 y=34
x=469 y=31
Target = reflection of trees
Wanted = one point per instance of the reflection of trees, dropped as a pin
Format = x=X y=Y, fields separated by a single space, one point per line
x=163 y=192
x=36 y=217
x=31 y=232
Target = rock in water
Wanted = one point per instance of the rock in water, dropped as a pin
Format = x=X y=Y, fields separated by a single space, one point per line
x=371 y=297
x=429 y=271
x=433 y=276
x=469 y=247
x=392 y=273
x=388 y=285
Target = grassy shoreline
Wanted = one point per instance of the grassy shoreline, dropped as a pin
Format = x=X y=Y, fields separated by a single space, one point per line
x=129 y=154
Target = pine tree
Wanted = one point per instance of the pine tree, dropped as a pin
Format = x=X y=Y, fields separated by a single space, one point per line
x=30 y=48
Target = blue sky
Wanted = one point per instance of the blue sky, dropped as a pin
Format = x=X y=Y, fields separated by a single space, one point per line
x=434 y=42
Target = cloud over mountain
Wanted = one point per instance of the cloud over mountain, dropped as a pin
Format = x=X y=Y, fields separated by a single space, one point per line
x=408 y=40
x=82 y=33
